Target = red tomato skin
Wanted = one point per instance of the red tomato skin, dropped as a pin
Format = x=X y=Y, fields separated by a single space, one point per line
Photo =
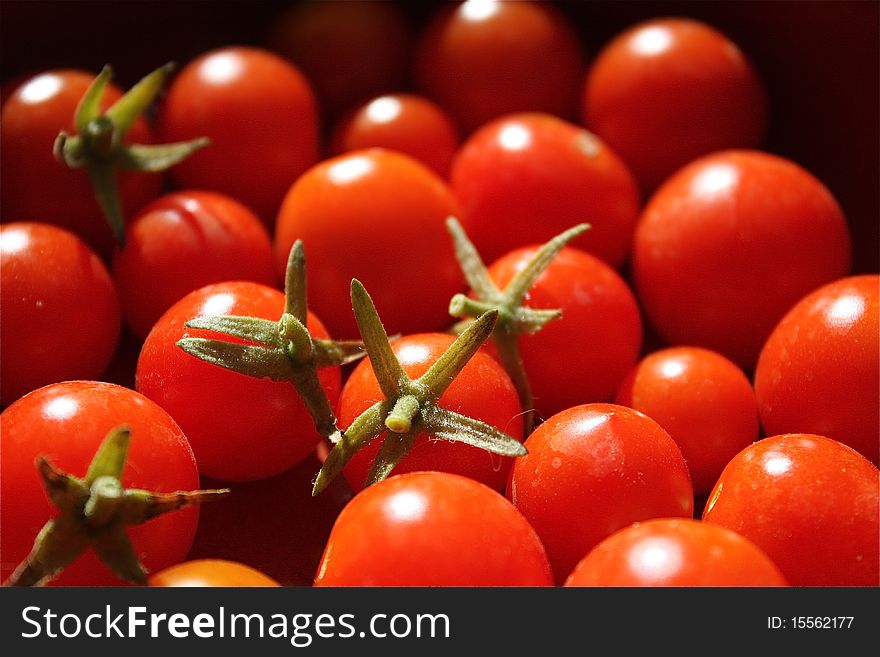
x=482 y=390
x=67 y=422
x=728 y=244
x=183 y=241
x=32 y=117
x=388 y=536
x=232 y=440
x=524 y=178
x=210 y=573
x=58 y=309
x=675 y=552
x=705 y=402
x=810 y=502
x=669 y=90
x=261 y=116
x=594 y=469
x=344 y=209
x=817 y=372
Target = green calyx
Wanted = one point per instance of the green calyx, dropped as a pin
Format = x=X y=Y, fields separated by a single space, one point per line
x=99 y=144
x=410 y=406
x=514 y=319
x=94 y=512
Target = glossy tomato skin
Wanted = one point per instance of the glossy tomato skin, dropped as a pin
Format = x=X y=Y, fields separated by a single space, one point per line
x=209 y=573
x=482 y=390
x=705 y=402
x=669 y=90
x=379 y=216
x=261 y=116
x=817 y=372
x=524 y=178
x=810 y=502
x=728 y=244
x=675 y=552
x=483 y=59
x=67 y=422
x=58 y=309
x=233 y=439
x=35 y=186
x=183 y=241
x=432 y=529
x=594 y=469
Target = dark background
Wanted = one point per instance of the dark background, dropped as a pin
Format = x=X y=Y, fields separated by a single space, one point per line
x=820 y=61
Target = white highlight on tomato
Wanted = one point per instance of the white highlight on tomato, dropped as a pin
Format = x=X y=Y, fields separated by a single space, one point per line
x=479 y=10
x=384 y=110
x=406 y=505
x=61 y=408
x=845 y=311
x=514 y=137
x=715 y=180
x=349 y=169
x=222 y=68
x=41 y=88
x=13 y=240
x=652 y=41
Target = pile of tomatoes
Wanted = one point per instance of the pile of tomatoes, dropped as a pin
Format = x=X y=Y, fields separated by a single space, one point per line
x=701 y=410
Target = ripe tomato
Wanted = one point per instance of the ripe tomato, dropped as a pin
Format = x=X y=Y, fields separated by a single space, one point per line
x=817 y=372
x=67 y=422
x=669 y=90
x=675 y=552
x=210 y=572
x=181 y=242
x=482 y=390
x=594 y=469
x=432 y=529
x=35 y=186
x=378 y=216
x=260 y=114
x=482 y=59
x=525 y=178
x=810 y=502
x=58 y=309
x=702 y=399
x=728 y=244
x=232 y=440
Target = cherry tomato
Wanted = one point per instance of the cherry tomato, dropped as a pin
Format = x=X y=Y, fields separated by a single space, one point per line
x=525 y=178
x=594 y=469
x=379 y=216
x=669 y=90
x=817 y=372
x=210 y=572
x=405 y=122
x=675 y=552
x=810 y=502
x=432 y=529
x=58 y=309
x=728 y=244
x=181 y=242
x=702 y=399
x=260 y=114
x=481 y=390
x=481 y=59
x=35 y=186
x=67 y=422
x=241 y=428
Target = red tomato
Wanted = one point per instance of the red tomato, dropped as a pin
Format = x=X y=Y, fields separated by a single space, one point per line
x=184 y=241
x=35 y=186
x=260 y=114
x=598 y=336
x=810 y=502
x=210 y=572
x=482 y=390
x=594 y=469
x=525 y=178
x=378 y=216
x=675 y=552
x=482 y=59
x=404 y=122
x=728 y=244
x=67 y=422
x=669 y=90
x=702 y=399
x=240 y=427
x=58 y=309
x=432 y=529
x=817 y=372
